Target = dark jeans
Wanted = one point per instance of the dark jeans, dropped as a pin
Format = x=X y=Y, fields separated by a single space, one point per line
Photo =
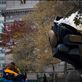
x=19 y=78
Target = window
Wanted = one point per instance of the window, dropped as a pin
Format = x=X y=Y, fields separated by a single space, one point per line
x=23 y=1
x=2 y=1
x=2 y=58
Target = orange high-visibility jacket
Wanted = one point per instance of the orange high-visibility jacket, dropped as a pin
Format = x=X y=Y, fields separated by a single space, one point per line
x=10 y=72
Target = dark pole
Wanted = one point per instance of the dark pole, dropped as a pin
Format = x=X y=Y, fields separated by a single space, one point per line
x=53 y=73
x=80 y=6
x=65 y=68
x=37 y=77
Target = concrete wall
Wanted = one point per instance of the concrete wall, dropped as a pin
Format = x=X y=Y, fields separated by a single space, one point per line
x=16 y=4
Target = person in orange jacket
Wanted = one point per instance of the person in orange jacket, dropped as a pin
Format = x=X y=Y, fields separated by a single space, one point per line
x=12 y=69
x=12 y=72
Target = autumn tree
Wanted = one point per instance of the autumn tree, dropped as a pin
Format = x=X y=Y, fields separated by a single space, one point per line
x=34 y=46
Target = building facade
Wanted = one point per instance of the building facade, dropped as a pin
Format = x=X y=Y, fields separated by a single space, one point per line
x=15 y=9
x=17 y=4
x=20 y=4
x=2 y=4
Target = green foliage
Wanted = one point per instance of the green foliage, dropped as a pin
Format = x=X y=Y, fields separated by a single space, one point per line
x=77 y=21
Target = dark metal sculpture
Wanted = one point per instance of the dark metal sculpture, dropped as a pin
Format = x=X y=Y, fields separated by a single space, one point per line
x=66 y=43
